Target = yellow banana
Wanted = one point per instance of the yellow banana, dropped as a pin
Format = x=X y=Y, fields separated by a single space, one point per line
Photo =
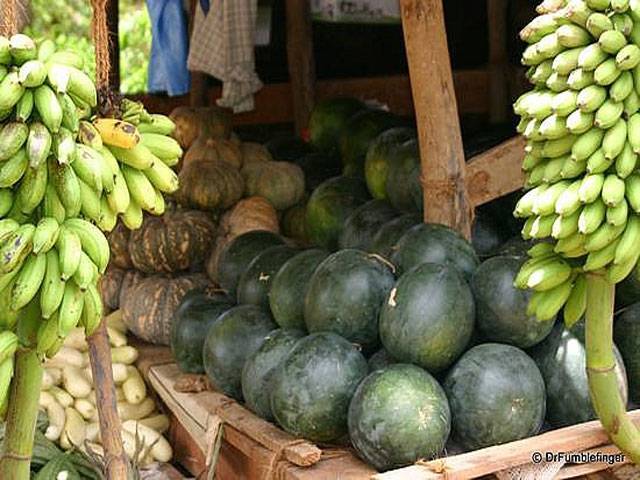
x=117 y=133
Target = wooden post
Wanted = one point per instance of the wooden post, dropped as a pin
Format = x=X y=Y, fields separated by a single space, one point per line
x=114 y=44
x=107 y=56
x=301 y=61
x=498 y=62
x=199 y=81
x=441 y=152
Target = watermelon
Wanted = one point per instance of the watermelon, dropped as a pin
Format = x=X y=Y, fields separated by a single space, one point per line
x=289 y=287
x=496 y=394
x=376 y=164
x=314 y=384
x=389 y=233
x=403 y=187
x=329 y=206
x=628 y=291
x=380 y=359
x=237 y=256
x=501 y=308
x=515 y=247
x=360 y=131
x=434 y=243
x=561 y=358
x=345 y=294
x=293 y=225
x=399 y=415
x=626 y=332
x=364 y=222
x=287 y=148
x=486 y=234
x=328 y=120
x=254 y=284
x=258 y=371
x=427 y=318
x=318 y=167
x=192 y=319
x=234 y=337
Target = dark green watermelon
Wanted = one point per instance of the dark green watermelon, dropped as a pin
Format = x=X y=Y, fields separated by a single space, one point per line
x=318 y=167
x=328 y=120
x=329 y=206
x=496 y=394
x=380 y=359
x=398 y=416
x=237 y=256
x=433 y=243
x=389 y=233
x=360 y=131
x=626 y=331
x=515 y=247
x=376 y=164
x=628 y=291
x=258 y=371
x=287 y=148
x=486 y=234
x=345 y=295
x=314 y=384
x=233 y=338
x=289 y=287
x=561 y=358
x=501 y=308
x=192 y=319
x=403 y=187
x=254 y=284
x=364 y=222
x=428 y=317
x=293 y=224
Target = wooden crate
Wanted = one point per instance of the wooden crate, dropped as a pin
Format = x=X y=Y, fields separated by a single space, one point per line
x=256 y=449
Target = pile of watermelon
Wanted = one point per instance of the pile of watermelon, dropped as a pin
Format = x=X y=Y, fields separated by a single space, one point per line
x=378 y=329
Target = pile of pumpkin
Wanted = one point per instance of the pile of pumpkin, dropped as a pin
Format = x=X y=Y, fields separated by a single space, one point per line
x=228 y=187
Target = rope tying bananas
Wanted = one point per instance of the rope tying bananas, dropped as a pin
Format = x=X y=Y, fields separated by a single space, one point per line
x=582 y=125
x=65 y=177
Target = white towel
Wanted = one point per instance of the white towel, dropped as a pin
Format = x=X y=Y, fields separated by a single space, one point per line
x=222 y=45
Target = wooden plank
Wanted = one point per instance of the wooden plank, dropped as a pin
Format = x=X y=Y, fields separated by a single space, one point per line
x=301 y=62
x=273 y=102
x=501 y=457
x=441 y=151
x=496 y=172
x=498 y=60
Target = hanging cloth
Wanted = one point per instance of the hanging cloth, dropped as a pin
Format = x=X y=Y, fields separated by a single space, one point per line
x=169 y=48
x=222 y=45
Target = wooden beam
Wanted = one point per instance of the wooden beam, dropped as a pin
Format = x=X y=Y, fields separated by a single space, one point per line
x=273 y=102
x=498 y=60
x=489 y=460
x=441 y=152
x=301 y=61
x=496 y=172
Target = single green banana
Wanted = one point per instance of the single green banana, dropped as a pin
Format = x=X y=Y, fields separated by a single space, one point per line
x=70 y=309
x=591 y=217
x=545 y=202
x=601 y=258
x=552 y=170
x=132 y=217
x=38 y=144
x=46 y=235
x=622 y=87
x=628 y=57
x=632 y=191
x=564 y=226
x=524 y=207
x=602 y=237
x=52 y=206
x=88 y=166
x=89 y=135
x=579 y=79
x=628 y=245
x=69 y=249
x=24 y=107
x=607 y=72
x=617 y=215
x=108 y=217
x=549 y=276
x=67 y=187
x=93 y=241
x=32 y=188
x=573 y=169
x=10 y=91
x=571 y=35
x=552 y=301
x=92 y=310
x=569 y=201
x=592 y=56
x=598 y=162
x=48 y=107
x=570 y=243
x=28 y=281
x=598 y=23
x=542 y=226
x=12 y=170
x=15 y=247
x=6 y=201
x=32 y=74
x=591 y=98
x=140 y=188
x=540 y=249
x=86 y=273
x=13 y=136
x=626 y=161
x=608 y=114
x=615 y=139
x=90 y=199
x=565 y=62
x=586 y=144
x=612 y=41
x=52 y=285
x=576 y=305
x=613 y=190
x=590 y=188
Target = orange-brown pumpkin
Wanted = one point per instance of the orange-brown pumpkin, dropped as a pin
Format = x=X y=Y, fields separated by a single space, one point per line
x=129 y=280
x=178 y=240
x=210 y=149
x=148 y=307
x=110 y=284
x=119 y=245
x=282 y=183
x=252 y=213
x=209 y=185
x=192 y=121
x=254 y=152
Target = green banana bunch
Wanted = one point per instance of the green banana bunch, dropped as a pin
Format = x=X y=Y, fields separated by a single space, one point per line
x=582 y=126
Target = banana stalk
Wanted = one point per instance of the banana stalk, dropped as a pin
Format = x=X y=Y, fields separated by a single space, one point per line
x=603 y=385
x=17 y=447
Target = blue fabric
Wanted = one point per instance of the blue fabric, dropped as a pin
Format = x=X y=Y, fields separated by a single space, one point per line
x=169 y=48
x=204 y=4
